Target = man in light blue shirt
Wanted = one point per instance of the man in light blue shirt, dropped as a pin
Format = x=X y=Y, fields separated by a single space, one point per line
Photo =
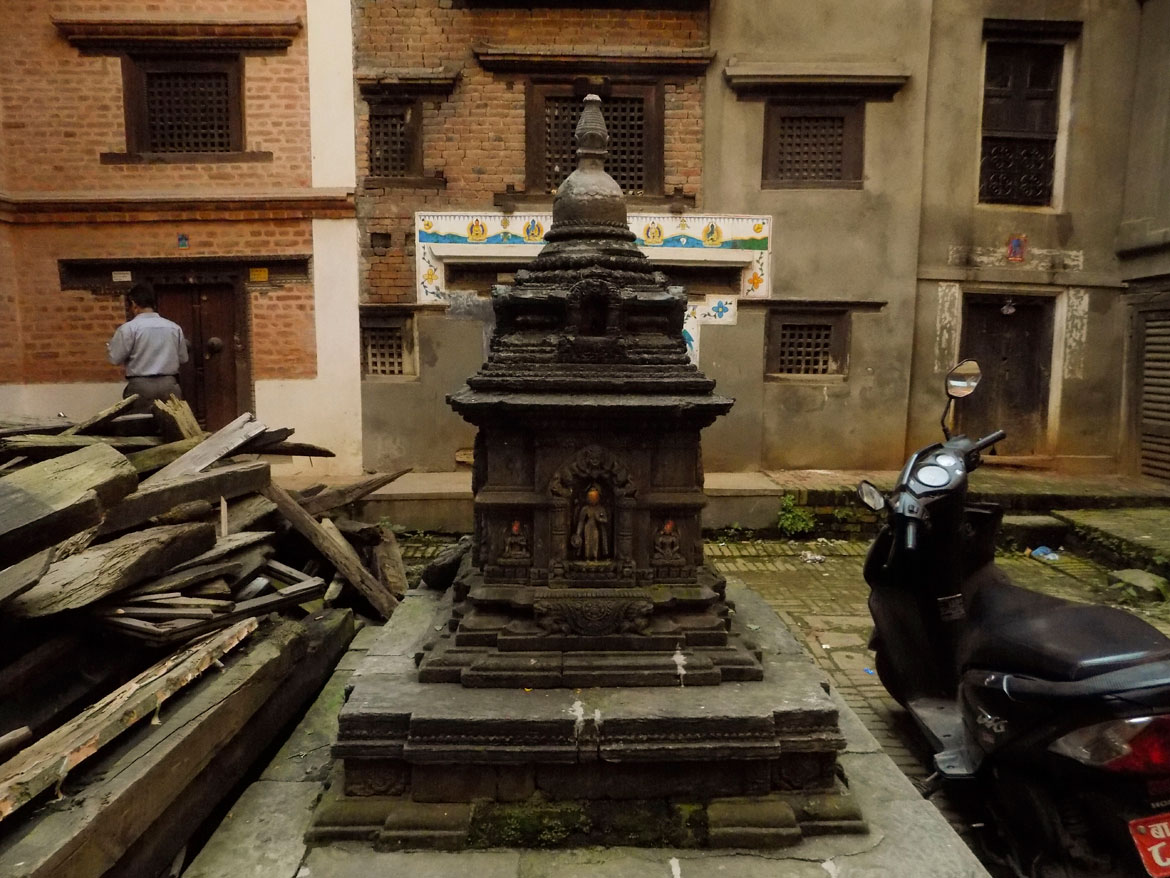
x=151 y=348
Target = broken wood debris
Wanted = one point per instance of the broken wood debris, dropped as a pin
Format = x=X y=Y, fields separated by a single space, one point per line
x=121 y=535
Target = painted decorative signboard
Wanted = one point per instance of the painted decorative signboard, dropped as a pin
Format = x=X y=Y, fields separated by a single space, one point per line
x=735 y=242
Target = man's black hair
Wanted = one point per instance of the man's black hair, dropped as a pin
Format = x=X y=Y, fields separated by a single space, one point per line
x=142 y=295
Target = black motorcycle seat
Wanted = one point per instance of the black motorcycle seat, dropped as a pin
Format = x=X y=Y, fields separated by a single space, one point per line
x=1017 y=631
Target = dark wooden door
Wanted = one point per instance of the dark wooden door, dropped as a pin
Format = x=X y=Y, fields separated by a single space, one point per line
x=1012 y=340
x=217 y=369
x=1153 y=401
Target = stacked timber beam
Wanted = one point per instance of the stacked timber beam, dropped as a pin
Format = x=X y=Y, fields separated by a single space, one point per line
x=136 y=551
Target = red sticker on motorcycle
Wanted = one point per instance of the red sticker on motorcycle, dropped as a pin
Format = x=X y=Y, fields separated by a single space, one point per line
x=1151 y=835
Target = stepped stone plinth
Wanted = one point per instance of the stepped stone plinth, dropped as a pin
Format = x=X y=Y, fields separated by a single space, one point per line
x=586 y=678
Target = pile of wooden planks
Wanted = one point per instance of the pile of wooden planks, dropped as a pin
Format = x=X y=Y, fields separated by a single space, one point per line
x=124 y=538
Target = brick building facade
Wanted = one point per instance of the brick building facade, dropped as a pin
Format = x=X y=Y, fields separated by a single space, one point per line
x=180 y=148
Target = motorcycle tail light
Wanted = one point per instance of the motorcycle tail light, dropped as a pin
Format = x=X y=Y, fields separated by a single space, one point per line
x=1139 y=745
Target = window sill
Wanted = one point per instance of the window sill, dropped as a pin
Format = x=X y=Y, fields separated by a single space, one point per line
x=389 y=379
x=182 y=158
x=812 y=184
x=437 y=181
x=511 y=201
x=784 y=378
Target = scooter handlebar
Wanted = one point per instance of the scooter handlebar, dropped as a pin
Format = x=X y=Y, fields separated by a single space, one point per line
x=989 y=440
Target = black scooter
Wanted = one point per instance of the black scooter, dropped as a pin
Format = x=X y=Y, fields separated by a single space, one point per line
x=1055 y=715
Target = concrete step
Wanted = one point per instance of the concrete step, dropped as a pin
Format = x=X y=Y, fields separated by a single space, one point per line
x=1030 y=531
x=1119 y=538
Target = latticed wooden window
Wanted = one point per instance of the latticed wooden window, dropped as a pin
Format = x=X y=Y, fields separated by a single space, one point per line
x=386 y=346
x=188 y=112
x=184 y=105
x=805 y=349
x=813 y=145
x=807 y=343
x=1021 y=89
x=394 y=146
x=633 y=117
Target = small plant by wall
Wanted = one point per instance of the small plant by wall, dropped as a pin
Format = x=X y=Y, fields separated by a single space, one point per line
x=793 y=520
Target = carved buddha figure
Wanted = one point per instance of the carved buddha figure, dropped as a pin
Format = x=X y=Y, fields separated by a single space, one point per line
x=591 y=535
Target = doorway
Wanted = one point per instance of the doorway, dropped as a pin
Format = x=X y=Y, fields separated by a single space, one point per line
x=216 y=379
x=1011 y=337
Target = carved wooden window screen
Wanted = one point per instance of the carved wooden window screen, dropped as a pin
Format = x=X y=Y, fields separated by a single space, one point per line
x=1021 y=92
x=805 y=349
x=386 y=346
x=394 y=146
x=188 y=112
x=633 y=117
x=807 y=343
x=184 y=106
x=813 y=145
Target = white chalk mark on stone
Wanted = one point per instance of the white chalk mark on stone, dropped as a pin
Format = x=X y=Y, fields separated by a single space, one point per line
x=680 y=662
x=831 y=867
x=675 y=868
x=578 y=712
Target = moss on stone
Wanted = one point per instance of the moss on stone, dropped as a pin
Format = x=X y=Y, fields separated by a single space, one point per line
x=531 y=824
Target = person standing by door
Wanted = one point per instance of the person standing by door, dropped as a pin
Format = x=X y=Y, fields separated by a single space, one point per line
x=151 y=348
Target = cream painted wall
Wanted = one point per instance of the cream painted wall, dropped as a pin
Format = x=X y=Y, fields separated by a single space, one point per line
x=75 y=401
x=331 y=93
x=326 y=410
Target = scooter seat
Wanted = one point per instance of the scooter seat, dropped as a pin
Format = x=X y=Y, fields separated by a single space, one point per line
x=1017 y=631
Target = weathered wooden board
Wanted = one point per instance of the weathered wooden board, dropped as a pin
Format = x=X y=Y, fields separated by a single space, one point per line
x=220 y=444
x=155 y=789
x=333 y=546
x=246 y=511
x=391 y=570
x=10 y=426
x=102 y=418
x=176 y=420
x=296 y=449
x=333 y=498
x=151 y=500
x=50 y=501
x=38 y=447
x=189 y=574
x=225 y=547
x=111 y=567
x=156 y=458
x=49 y=760
x=23 y=575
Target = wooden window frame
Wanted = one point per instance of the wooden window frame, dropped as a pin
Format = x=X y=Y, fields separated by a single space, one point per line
x=851 y=109
x=135 y=69
x=837 y=318
x=376 y=104
x=1029 y=32
x=377 y=317
x=651 y=91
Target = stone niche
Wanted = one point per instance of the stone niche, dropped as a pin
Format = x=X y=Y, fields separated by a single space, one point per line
x=586 y=679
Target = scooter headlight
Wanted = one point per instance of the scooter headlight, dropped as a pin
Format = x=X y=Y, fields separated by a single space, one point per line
x=1139 y=745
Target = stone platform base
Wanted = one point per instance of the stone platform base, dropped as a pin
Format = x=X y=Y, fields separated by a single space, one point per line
x=438 y=765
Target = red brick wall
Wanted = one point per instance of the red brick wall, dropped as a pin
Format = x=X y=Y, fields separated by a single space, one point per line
x=10 y=342
x=475 y=137
x=63 y=333
x=62 y=109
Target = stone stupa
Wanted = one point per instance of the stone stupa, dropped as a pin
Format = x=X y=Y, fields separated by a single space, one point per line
x=586 y=680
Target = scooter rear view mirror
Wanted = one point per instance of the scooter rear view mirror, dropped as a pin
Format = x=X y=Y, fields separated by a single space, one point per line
x=963 y=379
x=871 y=496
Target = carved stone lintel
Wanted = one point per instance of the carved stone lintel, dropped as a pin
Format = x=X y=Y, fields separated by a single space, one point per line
x=594 y=611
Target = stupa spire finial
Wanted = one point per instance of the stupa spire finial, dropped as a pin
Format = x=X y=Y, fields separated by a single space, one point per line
x=591 y=133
